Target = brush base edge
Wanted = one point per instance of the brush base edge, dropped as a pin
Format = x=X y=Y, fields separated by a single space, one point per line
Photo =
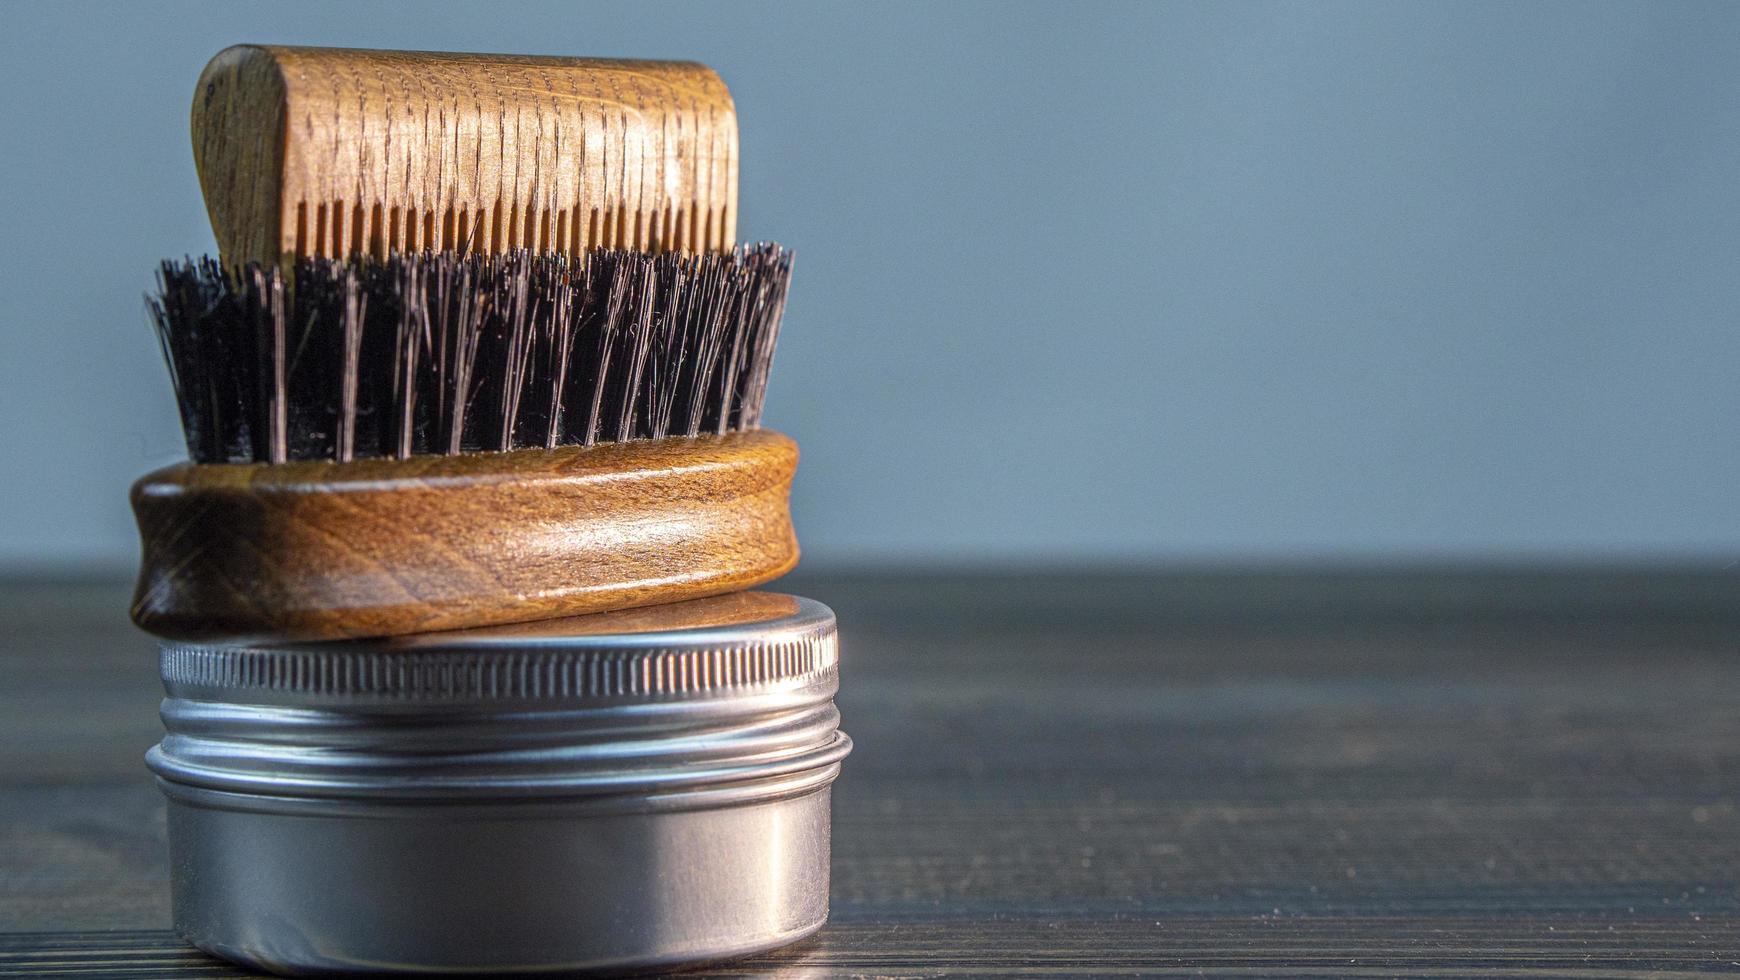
x=321 y=551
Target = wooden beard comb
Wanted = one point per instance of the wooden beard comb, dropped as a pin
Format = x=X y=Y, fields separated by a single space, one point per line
x=479 y=349
x=330 y=153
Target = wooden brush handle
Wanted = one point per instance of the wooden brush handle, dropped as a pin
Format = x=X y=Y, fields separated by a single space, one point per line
x=315 y=551
x=329 y=152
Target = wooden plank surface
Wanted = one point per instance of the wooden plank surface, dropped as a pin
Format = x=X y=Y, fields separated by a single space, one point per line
x=1427 y=773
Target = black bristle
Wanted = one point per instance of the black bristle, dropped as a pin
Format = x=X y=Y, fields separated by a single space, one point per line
x=438 y=353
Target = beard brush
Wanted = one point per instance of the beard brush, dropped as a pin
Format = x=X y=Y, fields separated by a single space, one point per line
x=478 y=349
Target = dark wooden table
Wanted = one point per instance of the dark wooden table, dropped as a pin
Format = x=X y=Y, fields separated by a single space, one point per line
x=1450 y=773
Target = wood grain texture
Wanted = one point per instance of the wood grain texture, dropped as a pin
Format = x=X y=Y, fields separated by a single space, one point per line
x=329 y=152
x=1394 y=772
x=386 y=547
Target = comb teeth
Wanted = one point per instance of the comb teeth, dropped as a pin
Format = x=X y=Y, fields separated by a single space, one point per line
x=438 y=353
x=331 y=229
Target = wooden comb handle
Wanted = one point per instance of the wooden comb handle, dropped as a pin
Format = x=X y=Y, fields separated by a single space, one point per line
x=318 y=551
x=330 y=152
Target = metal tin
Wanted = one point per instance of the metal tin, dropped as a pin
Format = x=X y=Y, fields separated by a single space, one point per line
x=623 y=791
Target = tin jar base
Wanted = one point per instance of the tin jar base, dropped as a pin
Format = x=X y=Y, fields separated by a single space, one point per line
x=613 y=793
x=497 y=891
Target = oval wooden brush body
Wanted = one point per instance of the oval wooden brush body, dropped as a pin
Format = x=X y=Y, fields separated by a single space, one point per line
x=311 y=551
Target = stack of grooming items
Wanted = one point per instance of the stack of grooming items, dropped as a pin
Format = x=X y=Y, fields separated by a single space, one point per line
x=461 y=671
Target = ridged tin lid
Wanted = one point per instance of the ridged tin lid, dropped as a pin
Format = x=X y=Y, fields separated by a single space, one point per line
x=705 y=648
x=687 y=704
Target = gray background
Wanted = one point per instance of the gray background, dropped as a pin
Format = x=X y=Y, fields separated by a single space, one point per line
x=1077 y=282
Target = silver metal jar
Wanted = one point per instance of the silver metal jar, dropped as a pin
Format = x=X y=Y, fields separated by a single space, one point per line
x=614 y=792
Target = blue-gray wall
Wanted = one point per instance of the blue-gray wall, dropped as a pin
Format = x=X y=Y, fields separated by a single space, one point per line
x=1076 y=280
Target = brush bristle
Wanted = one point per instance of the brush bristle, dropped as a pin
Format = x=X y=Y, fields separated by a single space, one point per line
x=437 y=353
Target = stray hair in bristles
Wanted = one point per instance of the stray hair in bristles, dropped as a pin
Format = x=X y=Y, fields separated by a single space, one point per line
x=440 y=353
